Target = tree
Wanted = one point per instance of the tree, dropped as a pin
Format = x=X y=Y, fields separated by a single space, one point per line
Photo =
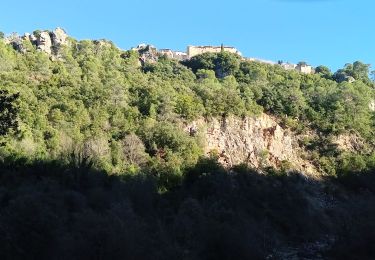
x=223 y=63
x=357 y=70
x=2 y=35
x=372 y=73
x=8 y=112
x=134 y=150
x=324 y=72
x=360 y=70
x=226 y=64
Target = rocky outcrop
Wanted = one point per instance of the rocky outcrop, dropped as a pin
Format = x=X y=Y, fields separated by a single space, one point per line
x=349 y=143
x=371 y=105
x=256 y=141
x=59 y=37
x=150 y=54
x=43 y=42
x=48 y=42
x=16 y=41
x=147 y=53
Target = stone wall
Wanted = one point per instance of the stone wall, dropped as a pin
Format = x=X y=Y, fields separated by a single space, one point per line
x=177 y=55
x=307 y=69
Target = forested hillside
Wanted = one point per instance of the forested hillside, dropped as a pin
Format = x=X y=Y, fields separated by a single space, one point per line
x=95 y=161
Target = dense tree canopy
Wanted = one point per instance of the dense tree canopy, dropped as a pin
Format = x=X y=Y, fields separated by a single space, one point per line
x=8 y=112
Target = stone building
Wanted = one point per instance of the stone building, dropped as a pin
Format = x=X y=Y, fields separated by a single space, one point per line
x=304 y=68
x=288 y=66
x=177 y=55
x=301 y=67
x=166 y=52
x=196 y=50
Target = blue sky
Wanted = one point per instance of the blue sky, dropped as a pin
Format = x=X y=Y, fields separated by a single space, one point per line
x=329 y=32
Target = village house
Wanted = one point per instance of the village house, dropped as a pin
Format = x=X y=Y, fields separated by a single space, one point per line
x=304 y=68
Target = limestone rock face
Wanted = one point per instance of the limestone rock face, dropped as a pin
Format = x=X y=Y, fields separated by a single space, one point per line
x=19 y=46
x=147 y=53
x=16 y=42
x=256 y=141
x=43 y=42
x=48 y=42
x=350 y=143
x=59 y=37
x=371 y=106
x=31 y=37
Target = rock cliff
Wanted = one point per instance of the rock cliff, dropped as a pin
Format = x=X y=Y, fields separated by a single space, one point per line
x=46 y=41
x=256 y=141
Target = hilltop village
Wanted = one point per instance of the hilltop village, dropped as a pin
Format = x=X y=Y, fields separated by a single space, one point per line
x=51 y=41
x=149 y=53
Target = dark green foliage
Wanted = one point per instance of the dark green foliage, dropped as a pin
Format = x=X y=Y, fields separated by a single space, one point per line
x=50 y=211
x=37 y=33
x=8 y=112
x=223 y=63
x=324 y=72
x=357 y=70
x=357 y=225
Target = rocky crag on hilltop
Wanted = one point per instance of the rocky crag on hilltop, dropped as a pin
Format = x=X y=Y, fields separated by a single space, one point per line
x=49 y=42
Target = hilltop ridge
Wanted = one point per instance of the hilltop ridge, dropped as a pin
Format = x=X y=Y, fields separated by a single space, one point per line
x=51 y=41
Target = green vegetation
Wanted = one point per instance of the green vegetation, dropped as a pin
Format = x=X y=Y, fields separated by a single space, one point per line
x=49 y=210
x=94 y=161
x=8 y=112
x=95 y=95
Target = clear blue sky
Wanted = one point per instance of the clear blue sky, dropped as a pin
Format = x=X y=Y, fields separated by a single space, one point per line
x=329 y=32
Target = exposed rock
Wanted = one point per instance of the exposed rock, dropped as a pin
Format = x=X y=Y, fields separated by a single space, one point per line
x=371 y=106
x=349 y=142
x=342 y=77
x=102 y=43
x=43 y=42
x=349 y=79
x=48 y=42
x=19 y=46
x=32 y=38
x=16 y=41
x=147 y=53
x=59 y=37
x=256 y=141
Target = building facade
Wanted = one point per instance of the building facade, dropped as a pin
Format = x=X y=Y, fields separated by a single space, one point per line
x=304 y=68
